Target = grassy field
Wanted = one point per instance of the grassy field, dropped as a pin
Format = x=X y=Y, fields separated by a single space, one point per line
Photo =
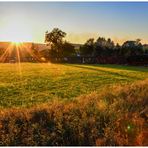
x=113 y=117
x=73 y=105
x=28 y=84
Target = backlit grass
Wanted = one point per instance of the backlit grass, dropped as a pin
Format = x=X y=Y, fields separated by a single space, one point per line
x=35 y=83
x=113 y=117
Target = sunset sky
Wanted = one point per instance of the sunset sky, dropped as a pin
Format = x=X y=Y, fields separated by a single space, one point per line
x=28 y=21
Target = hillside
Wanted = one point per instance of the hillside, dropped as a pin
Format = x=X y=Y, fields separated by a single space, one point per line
x=39 y=46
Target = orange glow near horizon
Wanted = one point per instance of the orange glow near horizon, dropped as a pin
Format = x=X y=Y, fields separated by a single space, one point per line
x=17 y=43
x=28 y=22
x=19 y=29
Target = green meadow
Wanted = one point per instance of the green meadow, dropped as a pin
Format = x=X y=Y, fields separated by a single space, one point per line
x=29 y=84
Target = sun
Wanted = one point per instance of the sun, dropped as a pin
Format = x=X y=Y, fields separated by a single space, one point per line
x=17 y=31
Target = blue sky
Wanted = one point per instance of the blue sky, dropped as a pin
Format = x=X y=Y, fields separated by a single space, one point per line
x=80 y=20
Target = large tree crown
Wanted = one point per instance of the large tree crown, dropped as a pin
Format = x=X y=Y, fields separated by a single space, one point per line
x=55 y=36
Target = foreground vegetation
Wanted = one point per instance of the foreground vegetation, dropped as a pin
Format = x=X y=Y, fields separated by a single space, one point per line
x=31 y=84
x=65 y=104
x=116 y=116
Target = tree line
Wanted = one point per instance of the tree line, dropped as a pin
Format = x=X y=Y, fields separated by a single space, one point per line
x=99 y=48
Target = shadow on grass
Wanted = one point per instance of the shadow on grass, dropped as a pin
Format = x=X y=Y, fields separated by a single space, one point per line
x=123 y=67
x=116 y=67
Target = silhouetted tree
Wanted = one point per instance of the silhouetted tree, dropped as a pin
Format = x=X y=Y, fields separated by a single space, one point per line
x=99 y=46
x=55 y=36
x=130 y=48
x=88 y=48
x=55 y=39
x=116 y=50
x=104 y=47
x=145 y=49
x=110 y=47
x=109 y=44
x=68 y=49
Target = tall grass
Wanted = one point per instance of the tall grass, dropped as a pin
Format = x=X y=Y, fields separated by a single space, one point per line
x=115 y=117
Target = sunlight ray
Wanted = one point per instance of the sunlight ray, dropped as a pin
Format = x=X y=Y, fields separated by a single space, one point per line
x=6 y=53
x=18 y=59
x=31 y=53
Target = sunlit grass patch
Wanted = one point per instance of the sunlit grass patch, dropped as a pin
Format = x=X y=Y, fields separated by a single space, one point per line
x=39 y=83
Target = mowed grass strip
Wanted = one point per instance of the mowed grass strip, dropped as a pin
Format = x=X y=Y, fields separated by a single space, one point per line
x=28 y=84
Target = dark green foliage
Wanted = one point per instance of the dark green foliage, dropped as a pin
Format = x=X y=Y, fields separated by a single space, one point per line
x=130 y=48
x=55 y=39
x=88 y=48
x=104 y=47
x=68 y=50
x=55 y=36
x=59 y=48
